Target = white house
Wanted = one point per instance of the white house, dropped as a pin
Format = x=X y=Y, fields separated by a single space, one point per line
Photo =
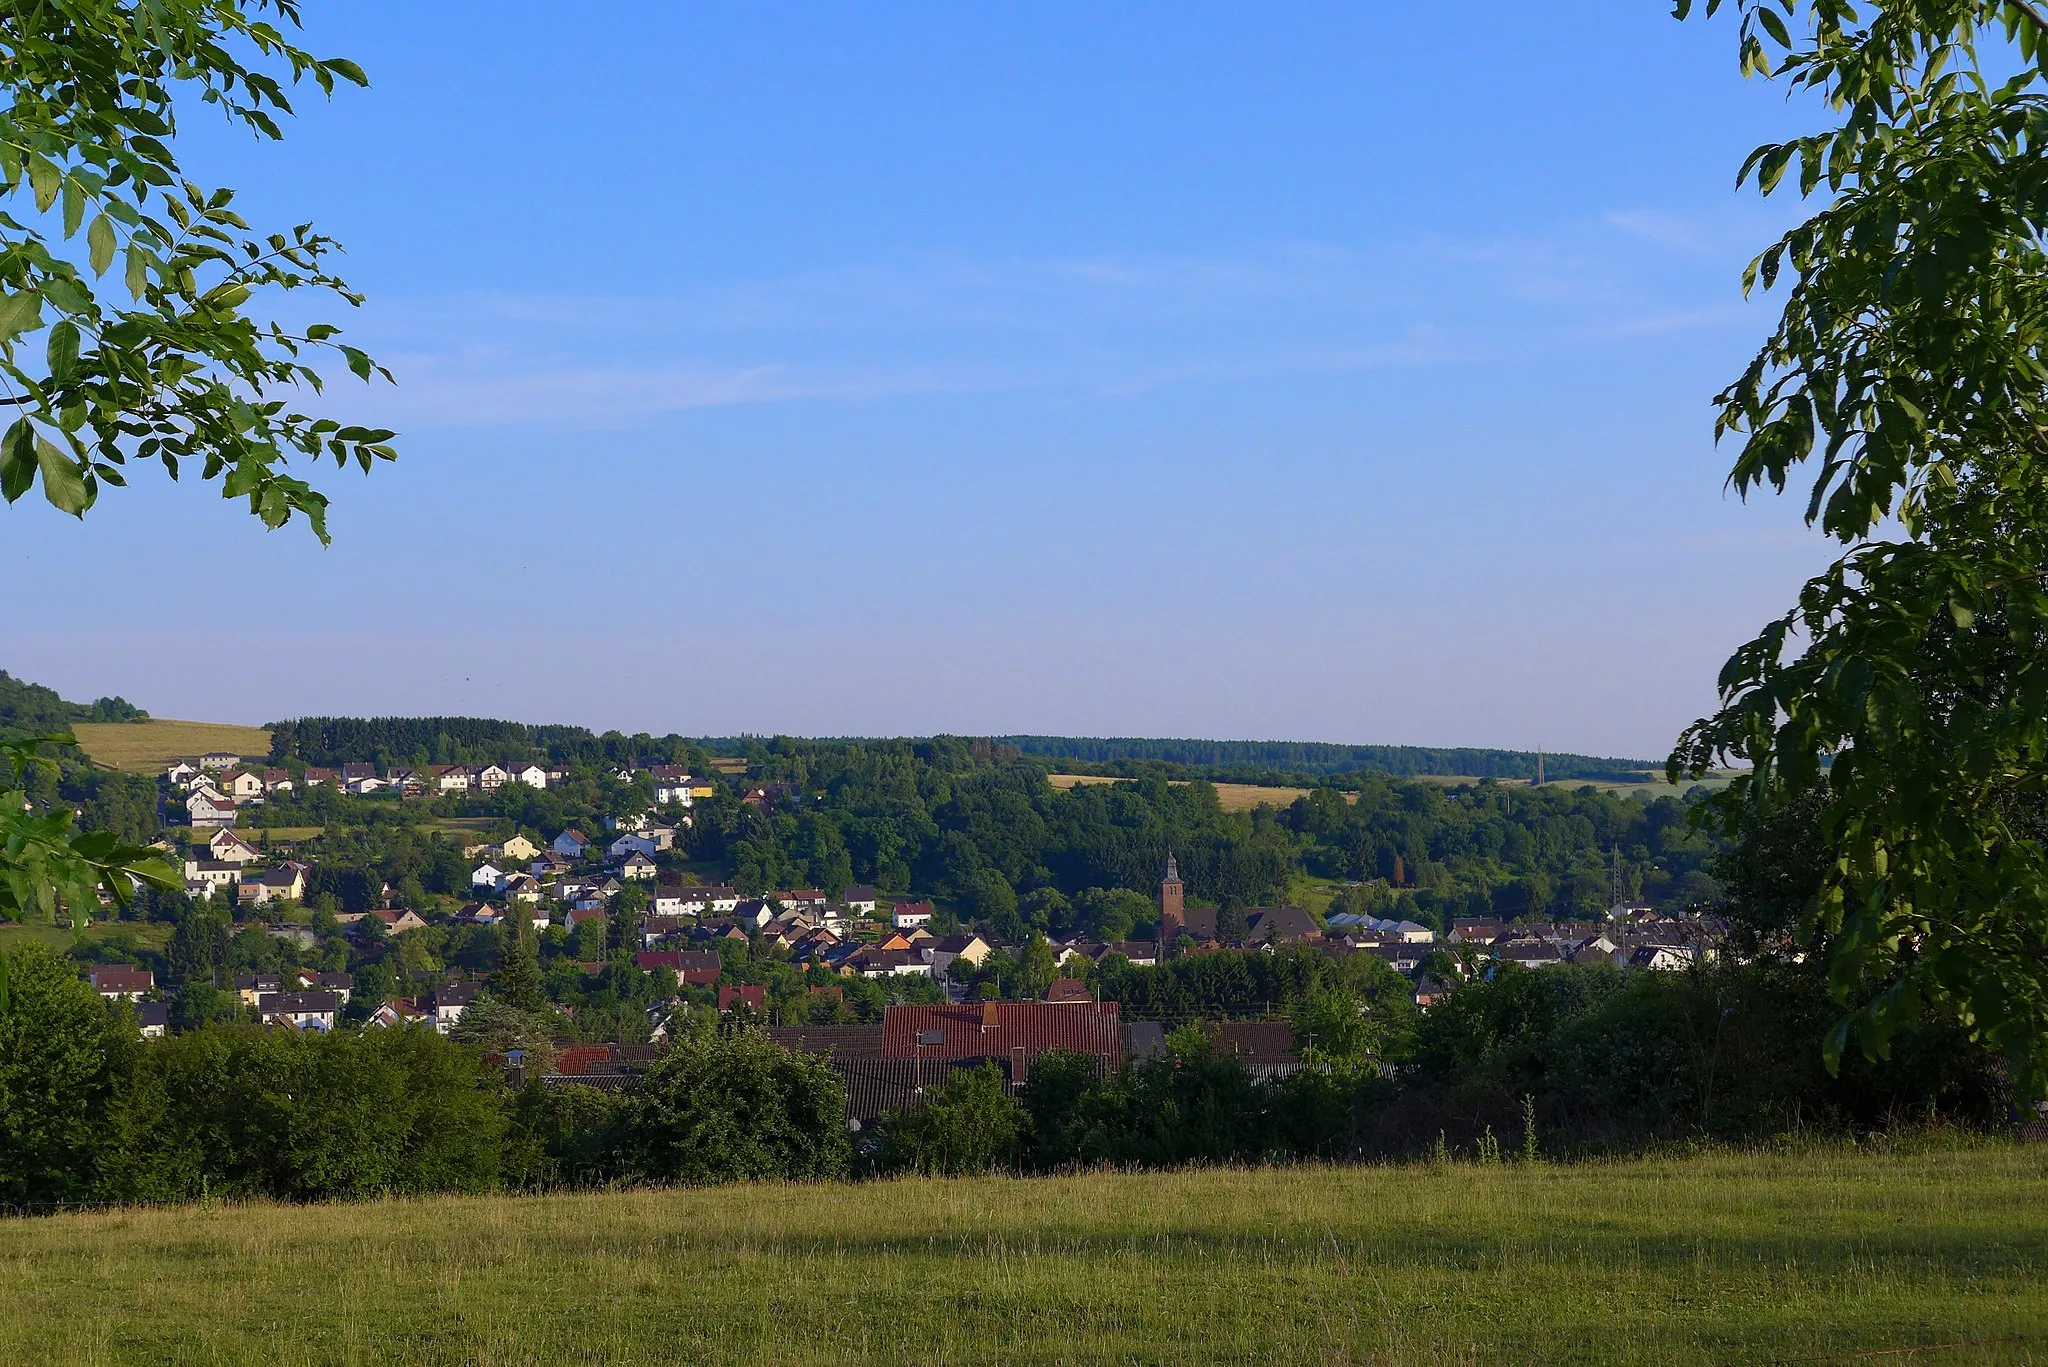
x=450 y=778
x=212 y=872
x=571 y=844
x=492 y=777
x=532 y=775
x=911 y=915
x=859 y=900
x=183 y=772
x=210 y=811
x=674 y=792
x=450 y=1001
x=230 y=848
x=487 y=876
x=630 y=844
x=306 y=1010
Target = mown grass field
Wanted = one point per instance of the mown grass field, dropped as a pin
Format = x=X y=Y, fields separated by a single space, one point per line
x=1717 y=1259
x=149 y=746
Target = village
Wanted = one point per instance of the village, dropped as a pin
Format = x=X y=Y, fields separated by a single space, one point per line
x=941 y=1005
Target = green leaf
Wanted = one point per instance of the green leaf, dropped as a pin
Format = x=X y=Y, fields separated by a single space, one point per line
x=63 y=351
x=100 y=241
x=45 y=179
x=63 y=482
x=138 y=269
x=74 y=205
x=20 y=313
x=17 y=461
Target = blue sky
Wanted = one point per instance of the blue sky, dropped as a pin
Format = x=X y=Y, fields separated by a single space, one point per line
x=1324 y=371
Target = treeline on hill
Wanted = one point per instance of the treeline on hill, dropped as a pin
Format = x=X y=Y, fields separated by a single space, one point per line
x=28 y=709
x=1316 y=758
x=330 y=741
x=1555 y=1062
x=959 y=820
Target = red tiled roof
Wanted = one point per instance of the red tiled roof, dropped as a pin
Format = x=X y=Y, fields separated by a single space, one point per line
x=754 y=996
x=999 y=1029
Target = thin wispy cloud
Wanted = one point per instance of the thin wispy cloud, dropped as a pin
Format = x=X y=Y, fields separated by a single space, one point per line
x=951 y=323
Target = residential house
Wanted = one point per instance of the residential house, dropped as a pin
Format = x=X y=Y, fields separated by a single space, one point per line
x=450 y=778
x=213 y=873
x=1010 y=1033
x=1528 y=952
x=909 y=915
x=677 y=791
x=120 y=982
x=1271 y=926
x=291 y=932
x=859 y=900
x=242 y=786
x=486 y=876
x=1478 y=931
x=154 y=1018
x=319 y=778
x=638 y=868
x=278 y=781
x=753 y=913
x=286 y=882
x=522 y=887
x=397 y=1011
x=209 y=811
x=450 y=1001
x=875 y=962
x=492 y=777
x=300 y=1010
x=181 y=772
x=698 y=901
x=1666 y=957
x=753 y=996
x=1069 y=992
x=532 y=775
x=394 y=922
x=631 y=843
x=341 y=985
x=229 y=848
x=519 y=849
x=363 y=786
x=1429 y=991
x=219 y=759
x=941 y=953
x=571 y=844
x=253 y=987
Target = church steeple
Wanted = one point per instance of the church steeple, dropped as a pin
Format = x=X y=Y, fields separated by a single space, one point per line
x=1172 y=914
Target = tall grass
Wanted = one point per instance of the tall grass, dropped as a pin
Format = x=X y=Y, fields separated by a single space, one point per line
x=1707 y=1259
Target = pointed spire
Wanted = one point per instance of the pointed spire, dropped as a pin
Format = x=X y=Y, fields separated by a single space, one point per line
x=1172 y=868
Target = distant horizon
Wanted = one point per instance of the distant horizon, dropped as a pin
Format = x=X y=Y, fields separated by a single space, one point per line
x=1070 y=370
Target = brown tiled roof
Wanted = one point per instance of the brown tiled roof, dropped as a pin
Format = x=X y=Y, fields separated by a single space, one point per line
x=1261 y=1044
x=999 y=1029
x=121 y=978
x=840 y=1041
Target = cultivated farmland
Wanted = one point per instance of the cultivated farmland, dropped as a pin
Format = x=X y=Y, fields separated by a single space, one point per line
x=146 y=747
x=1800 y=1256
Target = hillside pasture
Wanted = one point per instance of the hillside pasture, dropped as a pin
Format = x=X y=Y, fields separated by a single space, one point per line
x=1821 y=1256
x=1232 y=797
x=149 y=747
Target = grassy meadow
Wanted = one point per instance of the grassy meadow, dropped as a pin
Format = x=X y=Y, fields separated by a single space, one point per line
x=149 y=746
x=1726 y=1258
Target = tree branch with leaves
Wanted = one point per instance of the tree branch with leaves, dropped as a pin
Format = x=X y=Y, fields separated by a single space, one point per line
x=1906 y=694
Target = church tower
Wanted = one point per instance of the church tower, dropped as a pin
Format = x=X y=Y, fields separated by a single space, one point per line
x=1172 y=919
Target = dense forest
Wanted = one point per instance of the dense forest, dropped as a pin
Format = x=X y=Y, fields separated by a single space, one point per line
x=28 y=709
x=385 y=741
x=1316 y=758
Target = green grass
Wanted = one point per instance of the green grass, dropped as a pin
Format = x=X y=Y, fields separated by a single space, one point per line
x=153 y=934
x=1725 y=1258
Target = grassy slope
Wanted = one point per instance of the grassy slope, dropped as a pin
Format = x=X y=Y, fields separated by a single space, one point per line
x=1725 y=1258
x=146 y=747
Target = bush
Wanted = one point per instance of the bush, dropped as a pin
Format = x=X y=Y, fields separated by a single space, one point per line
x=736 y=1108
x=969 y=1125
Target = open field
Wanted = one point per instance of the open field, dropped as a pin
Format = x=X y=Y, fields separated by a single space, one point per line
x=1234 y=797
x=145 y=747
x=1821 y=1257
x=154 y=934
